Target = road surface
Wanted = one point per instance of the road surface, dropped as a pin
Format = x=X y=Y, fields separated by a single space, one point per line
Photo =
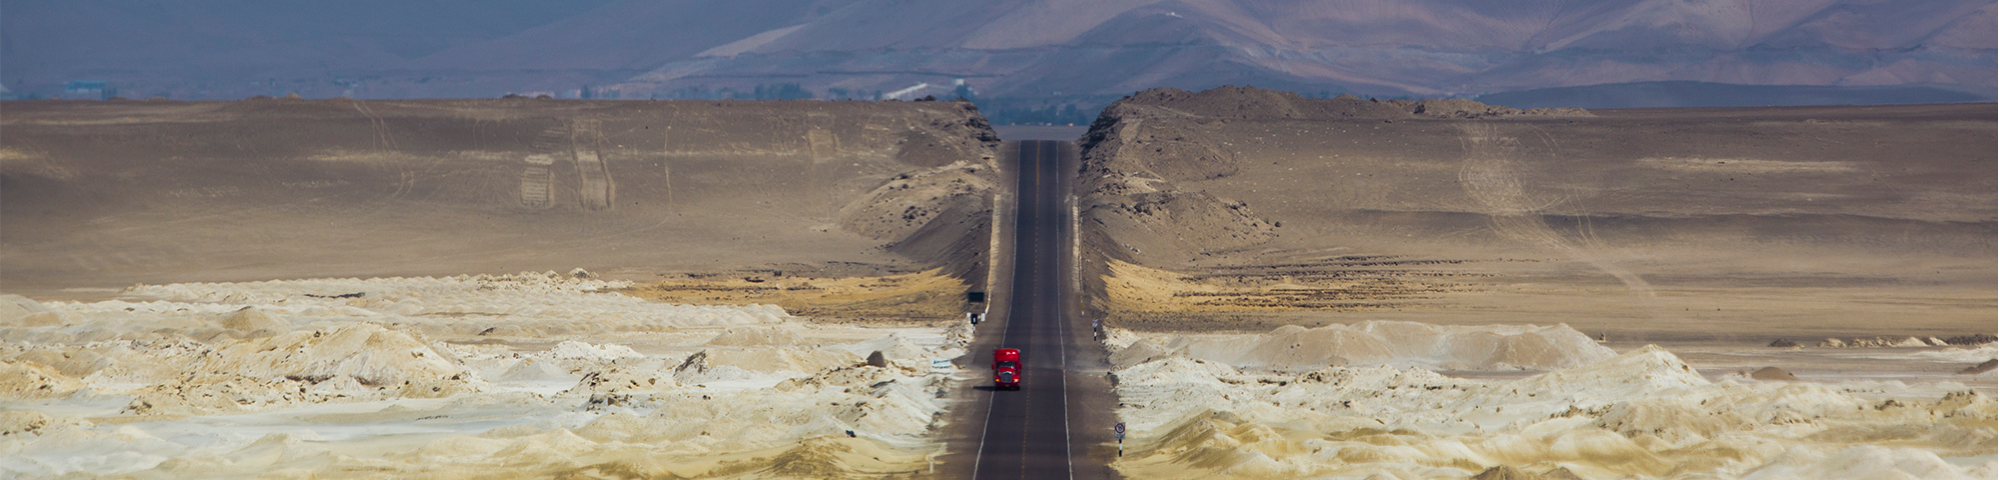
x=1057 y=424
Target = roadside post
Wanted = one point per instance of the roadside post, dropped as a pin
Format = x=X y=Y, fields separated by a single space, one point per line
x=1120 y=430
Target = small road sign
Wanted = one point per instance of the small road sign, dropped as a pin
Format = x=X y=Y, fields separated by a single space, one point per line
x=1120 y=429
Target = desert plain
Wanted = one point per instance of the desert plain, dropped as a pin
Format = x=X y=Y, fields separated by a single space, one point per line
x=1289 y=288
x=1353 y=288
x=338 y=288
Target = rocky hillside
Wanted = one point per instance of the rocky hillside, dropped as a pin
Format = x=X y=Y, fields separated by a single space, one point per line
x=1008 y=49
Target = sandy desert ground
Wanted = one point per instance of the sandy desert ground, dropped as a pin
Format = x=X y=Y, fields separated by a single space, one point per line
x=328 y=289
x=1748 y=224
x=1347 y=288
x=1410 y=400
x=1292 y=288
x=531 y=375
x=103 y=195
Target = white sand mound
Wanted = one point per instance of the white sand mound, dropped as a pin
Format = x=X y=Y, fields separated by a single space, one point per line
x=789 y=362
x=366 y=352
x=960 y=333
x=898 y=349
x=68 y=447
x=737 y=337
x=575 y=350
x=526 y=306
x=1482 y=347
x=26 y=380
x=19 y=311
x=529 y=284
x=30 y=422
x=71 y=363
x=1960 y=355
x=1644 y=371
x=696 y=370
x=475 y=376
x=535 y=369
x=1642 y=414
x=616 y=383
x=1144 y=350
x=535 y=303
x=252 y=320
x=1865 y=462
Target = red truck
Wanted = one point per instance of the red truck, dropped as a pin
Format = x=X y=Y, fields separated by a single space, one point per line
x=1007 y=368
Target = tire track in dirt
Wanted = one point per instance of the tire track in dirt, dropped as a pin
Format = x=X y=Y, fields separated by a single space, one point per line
x=580 y=141
x=1491 y=177
x=821 y=143
x=535 y=182
x=538 y=176
x=385 y=142
x=594 y=177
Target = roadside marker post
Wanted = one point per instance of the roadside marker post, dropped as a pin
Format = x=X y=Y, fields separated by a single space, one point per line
x=1120 y=430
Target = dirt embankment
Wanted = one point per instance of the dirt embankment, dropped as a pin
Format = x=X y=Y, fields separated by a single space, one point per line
x=102 y=195
x=1243 y=209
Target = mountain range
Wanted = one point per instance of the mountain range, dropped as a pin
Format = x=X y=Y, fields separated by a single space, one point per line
x=1023 y=54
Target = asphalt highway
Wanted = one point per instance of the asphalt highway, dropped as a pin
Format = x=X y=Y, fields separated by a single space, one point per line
x=1058 y=424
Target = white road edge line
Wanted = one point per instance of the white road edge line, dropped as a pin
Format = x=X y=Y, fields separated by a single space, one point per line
x=1069 y=449
x=1062 y=346
x=1075 y=239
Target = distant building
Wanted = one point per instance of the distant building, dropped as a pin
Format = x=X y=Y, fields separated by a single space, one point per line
x=88 y=90
x=957 y=89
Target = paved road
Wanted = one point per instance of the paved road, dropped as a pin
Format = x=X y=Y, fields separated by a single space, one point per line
x=1049 y=428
